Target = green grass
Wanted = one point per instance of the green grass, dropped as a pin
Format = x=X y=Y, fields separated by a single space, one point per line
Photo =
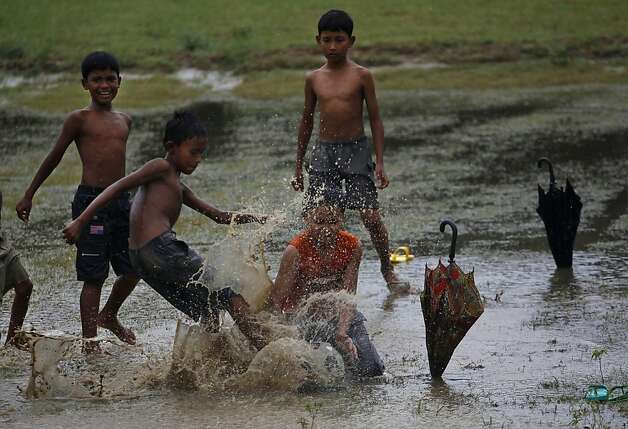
x=486 y=44
x=56 y=34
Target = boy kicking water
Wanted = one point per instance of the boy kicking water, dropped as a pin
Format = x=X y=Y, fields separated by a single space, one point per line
x=100 y=134
x=167 y=264
x=342 y=154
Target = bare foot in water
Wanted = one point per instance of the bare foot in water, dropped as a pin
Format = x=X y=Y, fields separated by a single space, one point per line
x=91 y=347
x=112 y=324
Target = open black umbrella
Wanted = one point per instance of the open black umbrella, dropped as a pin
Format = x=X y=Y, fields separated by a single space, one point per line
x=560 y=212
x=451 y=304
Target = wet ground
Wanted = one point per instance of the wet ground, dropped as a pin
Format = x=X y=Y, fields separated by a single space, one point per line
x=469 y=156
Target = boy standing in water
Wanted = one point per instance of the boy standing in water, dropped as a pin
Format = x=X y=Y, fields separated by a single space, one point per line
x=13 y=276
x=100 y=134
x=324 y=258
x=167 y=264
x=342 y=154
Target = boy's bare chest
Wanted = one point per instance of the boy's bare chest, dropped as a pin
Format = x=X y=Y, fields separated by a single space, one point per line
x=327 y=89
x=111 y=130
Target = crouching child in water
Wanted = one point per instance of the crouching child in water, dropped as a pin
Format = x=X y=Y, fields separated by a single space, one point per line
x=13 y=276
x=324 y=258
x=167 y=264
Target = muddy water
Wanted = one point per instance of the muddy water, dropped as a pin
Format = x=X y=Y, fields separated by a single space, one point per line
x=468 y=156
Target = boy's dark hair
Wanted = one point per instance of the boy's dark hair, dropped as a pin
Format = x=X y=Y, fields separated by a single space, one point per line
x=184 y=125
x=99 y=60
x=335 y=20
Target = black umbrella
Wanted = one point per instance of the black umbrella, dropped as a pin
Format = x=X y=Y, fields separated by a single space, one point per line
x=560 y=212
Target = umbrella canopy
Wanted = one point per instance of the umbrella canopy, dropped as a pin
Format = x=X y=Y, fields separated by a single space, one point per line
x=451 y=304
x=560 y=212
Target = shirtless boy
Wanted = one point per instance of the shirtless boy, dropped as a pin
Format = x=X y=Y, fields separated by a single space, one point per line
x=167 y=264
x=13 y=276
x=324 y=258
x=100 y=135
x=342 y=154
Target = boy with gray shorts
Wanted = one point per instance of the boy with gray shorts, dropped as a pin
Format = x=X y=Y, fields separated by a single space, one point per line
x=13 y=276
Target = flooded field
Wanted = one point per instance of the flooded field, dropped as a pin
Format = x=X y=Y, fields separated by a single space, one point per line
x=469 y=156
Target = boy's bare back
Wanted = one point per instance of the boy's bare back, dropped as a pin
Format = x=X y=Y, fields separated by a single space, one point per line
x=340 y=94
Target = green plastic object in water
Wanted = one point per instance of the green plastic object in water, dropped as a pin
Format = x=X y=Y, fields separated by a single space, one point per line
x=596 y=392
x=601 y=393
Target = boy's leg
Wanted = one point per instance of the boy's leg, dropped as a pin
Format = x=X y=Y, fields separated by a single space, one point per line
x=19 y=308
x=92 y=263
x=361 y=195
x=379 y=236
x=108 y=316
x=118 y=236
x=246 y=322
x=90 y=301
x=369 y=363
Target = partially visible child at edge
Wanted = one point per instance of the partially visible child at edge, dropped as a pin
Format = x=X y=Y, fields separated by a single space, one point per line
x=100 y=134
x=325 y=258
x=167 y=264
x=13 y=276
x=340 y=88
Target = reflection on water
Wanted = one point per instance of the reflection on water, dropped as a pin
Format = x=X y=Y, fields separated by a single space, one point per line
x=469 y=156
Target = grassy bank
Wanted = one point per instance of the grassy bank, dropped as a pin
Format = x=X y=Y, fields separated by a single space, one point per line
x=475 y=44
x=56 y=34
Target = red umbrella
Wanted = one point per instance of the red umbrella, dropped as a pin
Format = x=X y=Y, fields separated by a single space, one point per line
x=451 y=304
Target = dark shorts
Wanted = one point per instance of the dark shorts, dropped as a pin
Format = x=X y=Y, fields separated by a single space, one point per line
x=174 y=270
x=342 y=174
x=12 y=272
x=369 y=364
x=105 y=239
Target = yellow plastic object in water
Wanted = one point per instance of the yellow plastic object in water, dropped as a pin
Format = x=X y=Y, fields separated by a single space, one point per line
x=401 y=254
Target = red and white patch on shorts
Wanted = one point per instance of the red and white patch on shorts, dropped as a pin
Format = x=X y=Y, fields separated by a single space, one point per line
x=96 y=229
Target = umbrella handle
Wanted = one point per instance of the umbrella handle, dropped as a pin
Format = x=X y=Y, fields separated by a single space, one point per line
x=540 y=163
x=454 y=232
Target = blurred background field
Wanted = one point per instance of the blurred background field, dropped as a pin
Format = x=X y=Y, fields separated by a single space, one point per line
x=471 y=93
x=265 y=47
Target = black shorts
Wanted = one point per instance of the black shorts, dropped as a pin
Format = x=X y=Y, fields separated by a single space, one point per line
x=105 y=238
x=175 y=271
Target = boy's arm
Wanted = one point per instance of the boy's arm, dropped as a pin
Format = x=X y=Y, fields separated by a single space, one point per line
x=377 y=127
x=149 y=172
x=286 y=278
x=350 y=276
x=305 y=132
x=343 y=341
x=347 y=311
x=69 y=132
x=217 y=215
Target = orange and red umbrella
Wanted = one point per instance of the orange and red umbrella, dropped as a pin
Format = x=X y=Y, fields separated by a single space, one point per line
x=451 y=304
